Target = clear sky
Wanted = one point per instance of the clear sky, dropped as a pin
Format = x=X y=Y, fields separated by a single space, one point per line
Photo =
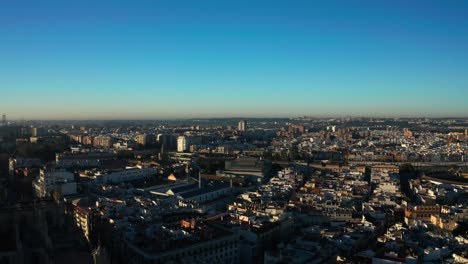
x=163 y=59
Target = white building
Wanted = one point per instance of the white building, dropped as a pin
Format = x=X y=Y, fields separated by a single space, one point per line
x=182 y=144
x=389 y=187
x=51 y=180
x=128 y=174
x=242 y=126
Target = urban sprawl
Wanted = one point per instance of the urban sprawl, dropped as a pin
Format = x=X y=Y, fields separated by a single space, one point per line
x=233 y=190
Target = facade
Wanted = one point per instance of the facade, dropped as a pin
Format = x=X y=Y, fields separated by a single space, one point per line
x=126 y=175
x=85 y=159
x=87 y=140
x=421 y=212
x=182 y=157
x=144 y=139
x=407 y=132
x=15 y=163
x=76 y=137
x=204 y=194
x=447 y=224
x=34 y=132
x=54 y=180
x=245 y=167
x=182 y=144
x=221 y=249
x=82 y=220
x=385 y=168
x=242 y=126
x=168 y=141
x=102 y=141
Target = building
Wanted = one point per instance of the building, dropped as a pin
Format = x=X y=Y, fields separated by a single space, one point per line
x=182 y=157
x=245 y=167
x=4 y=120
x=51 y=180
x=102 y=141
x=118 y=176
x=182 y=145
x=385 y=168
x=209 y=244
x=167 y=141
x=76 y=137
x=447 y=224
x=202 y=192
x=297 y=129
x=87 y=140
x=15 y=163
x=242 y=126
x=83 y=159
x=184 y=142
x=33 y=132
x=407 y=132
x=144 y=139
x=420 y=213
x=82 y=214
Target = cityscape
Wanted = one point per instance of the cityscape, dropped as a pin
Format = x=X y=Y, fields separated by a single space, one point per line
x=252 y=132
x=298 y=190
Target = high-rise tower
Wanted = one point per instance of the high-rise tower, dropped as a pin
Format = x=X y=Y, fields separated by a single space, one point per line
x=242 y=126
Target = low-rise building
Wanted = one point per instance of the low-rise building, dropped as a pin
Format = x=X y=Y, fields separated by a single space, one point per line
x=51 y=180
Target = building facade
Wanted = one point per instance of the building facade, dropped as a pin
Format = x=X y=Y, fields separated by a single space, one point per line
x=242 y=125
x=54 y=180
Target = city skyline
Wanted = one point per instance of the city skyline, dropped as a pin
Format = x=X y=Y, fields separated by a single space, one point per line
x=247 y=131
x=162 y=60
x=233 y=118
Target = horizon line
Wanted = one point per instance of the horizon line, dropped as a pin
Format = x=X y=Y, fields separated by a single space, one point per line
x=234 y=117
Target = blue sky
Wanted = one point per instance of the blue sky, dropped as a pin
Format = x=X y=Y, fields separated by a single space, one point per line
x=165 y=59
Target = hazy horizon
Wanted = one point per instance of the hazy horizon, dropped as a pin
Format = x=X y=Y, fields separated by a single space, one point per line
x=231 y=117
